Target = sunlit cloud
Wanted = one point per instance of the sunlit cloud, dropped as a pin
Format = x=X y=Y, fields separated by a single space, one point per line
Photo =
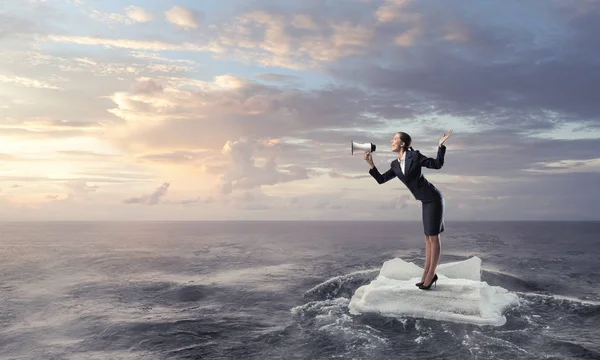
x=138 y=14
x=149 y=199
x=131 y=14
x=182 y=17
x=123 y=43
x=28 y=82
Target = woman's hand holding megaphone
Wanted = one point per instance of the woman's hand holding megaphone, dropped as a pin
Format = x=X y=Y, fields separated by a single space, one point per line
x=369 y=159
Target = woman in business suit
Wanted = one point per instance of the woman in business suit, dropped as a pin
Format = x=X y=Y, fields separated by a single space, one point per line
x=408 y=168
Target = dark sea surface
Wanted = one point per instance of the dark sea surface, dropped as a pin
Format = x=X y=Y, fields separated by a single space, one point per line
x=280 y=290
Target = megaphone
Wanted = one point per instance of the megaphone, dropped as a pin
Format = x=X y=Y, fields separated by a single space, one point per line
x=366 y=147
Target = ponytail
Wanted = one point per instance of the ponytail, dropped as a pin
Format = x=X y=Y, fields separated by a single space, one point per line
x=411 y=149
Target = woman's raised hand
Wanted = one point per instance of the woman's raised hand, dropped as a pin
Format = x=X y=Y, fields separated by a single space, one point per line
x=445 y=137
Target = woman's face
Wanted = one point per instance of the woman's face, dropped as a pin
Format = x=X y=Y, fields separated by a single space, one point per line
x=396 y=143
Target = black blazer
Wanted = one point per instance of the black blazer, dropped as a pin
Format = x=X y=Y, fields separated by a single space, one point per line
x=414 y=180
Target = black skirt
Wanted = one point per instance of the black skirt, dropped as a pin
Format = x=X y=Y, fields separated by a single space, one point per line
x=433 y=216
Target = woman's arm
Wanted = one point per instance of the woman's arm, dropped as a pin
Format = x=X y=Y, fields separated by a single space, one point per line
x=432 y=163
x=387 y=176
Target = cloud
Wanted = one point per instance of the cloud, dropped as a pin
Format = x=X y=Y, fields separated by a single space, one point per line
x=9 y=157
x=400 y=202
x=203 y=201
x=99 y=177
x=509 y=77
x=147 y=86
x=79 y=188
x=138 y=14
x=149 y=199
x=393 y=10
x=153 y=45
x=176 y=157
x=82 y=155
x=132 y=14
x=183 y=17
x=241 y=171
x=567 y=196
x=47 y=128
x=270 y=39
x=28 y=82
x=507 y=154
x=18 y=20
x=467 y=63
x=191 y=113
x=292 y=40
x=16 y=132
x=51 y=124
x=336 y=175
x=277 y=78
x=85 y=83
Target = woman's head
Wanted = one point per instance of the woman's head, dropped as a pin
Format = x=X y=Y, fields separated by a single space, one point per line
x=401 y=140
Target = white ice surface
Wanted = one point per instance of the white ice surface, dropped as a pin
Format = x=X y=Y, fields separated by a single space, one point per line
x=459 y=296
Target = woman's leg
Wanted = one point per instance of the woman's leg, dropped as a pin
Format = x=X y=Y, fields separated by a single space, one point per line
x=435 y=246
x=427 y=258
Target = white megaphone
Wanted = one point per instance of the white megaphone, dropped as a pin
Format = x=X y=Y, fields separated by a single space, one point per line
x=366 y=147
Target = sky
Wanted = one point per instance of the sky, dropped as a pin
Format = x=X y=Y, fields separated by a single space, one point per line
x=245 y=110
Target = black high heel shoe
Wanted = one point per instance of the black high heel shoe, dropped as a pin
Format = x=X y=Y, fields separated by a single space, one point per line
x=421 y=283
x=433 y=281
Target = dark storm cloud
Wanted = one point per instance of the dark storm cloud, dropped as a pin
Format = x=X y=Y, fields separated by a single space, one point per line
x=517 y=95
x=506 y=154
x=526 y=72
x=567 y=196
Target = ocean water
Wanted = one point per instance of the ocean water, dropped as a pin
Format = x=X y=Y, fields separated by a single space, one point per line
x=281 y=290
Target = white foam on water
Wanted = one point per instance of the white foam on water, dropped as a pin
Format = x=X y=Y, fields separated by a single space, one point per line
x=563 y=298
x=330 y=316
x=265 y=278
x=113 y=355
x=460 y=295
